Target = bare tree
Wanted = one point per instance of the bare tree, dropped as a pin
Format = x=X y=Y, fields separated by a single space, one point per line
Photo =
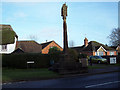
x=33 y=37
x=115 y=37
x=71 y=43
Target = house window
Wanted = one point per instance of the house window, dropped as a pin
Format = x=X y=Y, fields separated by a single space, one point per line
x=111 y=53
x=100 y=53
x=51 y=46
x=4 y=47
x=96 y=53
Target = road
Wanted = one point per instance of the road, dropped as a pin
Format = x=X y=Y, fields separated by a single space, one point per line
x=107 y=80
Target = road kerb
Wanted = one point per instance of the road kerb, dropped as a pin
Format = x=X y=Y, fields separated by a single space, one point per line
x=85 y=74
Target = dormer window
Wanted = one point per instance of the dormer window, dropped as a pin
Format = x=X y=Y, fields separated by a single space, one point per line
x=4 y=47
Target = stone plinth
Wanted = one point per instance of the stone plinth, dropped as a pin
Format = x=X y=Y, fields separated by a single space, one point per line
x=67 y=65
x=84 y=62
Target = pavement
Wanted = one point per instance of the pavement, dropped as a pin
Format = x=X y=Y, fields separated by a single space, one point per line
x=104 y=69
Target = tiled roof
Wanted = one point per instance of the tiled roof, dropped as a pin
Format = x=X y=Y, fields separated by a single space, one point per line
x=92 y=46
x=29 y=46
x=78 y=49
x=45 y=44
x=96 y=44
x=7 y=34
x=113 y=47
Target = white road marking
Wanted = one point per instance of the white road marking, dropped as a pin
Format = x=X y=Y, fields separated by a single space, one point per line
x=9 y=83
x=12 y=83
x=22 y=82
x=101 y=84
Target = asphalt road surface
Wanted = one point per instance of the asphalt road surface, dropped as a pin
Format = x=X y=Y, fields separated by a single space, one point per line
x=108 y=80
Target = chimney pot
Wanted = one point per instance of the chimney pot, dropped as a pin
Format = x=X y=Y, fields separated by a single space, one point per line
x=86 y=42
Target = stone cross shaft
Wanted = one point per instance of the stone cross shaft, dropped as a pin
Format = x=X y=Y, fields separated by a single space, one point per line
x=64 y=14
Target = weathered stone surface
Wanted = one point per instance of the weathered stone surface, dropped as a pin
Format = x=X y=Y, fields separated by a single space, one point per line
x=84 y=62
x=67 y=65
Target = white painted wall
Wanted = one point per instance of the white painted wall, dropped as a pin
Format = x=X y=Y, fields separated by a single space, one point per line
x=10 y=48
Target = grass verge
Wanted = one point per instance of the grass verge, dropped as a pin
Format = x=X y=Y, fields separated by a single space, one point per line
x=11 y=75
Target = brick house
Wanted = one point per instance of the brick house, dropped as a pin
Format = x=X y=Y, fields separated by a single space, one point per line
x=34 y=47
x=94 y=48
x=46 y=46
x=28 y=47
x=117 y=48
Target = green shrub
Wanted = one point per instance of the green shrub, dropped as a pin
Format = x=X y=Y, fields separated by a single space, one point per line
x=54 y=50
x=54 y=54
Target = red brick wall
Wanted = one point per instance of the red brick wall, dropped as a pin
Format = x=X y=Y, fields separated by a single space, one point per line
x=86 y=42
x=93 y=53
x=115 y=53
x=104 y=53
x=52 y=44
x=108 y=53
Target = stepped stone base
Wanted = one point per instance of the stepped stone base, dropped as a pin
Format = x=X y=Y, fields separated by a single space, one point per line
x=67 y=65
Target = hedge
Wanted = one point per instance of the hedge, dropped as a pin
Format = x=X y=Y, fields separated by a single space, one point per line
x=20 y=60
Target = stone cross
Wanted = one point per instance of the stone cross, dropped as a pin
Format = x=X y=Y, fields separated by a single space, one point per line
x=64 y=11
x=64 y=14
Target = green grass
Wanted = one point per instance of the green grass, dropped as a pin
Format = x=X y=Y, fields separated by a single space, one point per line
x=11 y=75
x=117 y=64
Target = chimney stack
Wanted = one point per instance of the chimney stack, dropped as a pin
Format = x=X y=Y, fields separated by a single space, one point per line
x=86 y=42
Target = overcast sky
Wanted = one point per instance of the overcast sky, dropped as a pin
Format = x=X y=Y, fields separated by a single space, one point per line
x=93 y=20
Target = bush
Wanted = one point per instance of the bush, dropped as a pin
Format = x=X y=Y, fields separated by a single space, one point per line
x=73 y=54
x=20 y=60
x=54 y=50
x=54 y=54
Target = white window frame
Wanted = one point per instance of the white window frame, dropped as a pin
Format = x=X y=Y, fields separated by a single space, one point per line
x=4 y=48
x=100 y=53
x=102 y=48
x=112 y=53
